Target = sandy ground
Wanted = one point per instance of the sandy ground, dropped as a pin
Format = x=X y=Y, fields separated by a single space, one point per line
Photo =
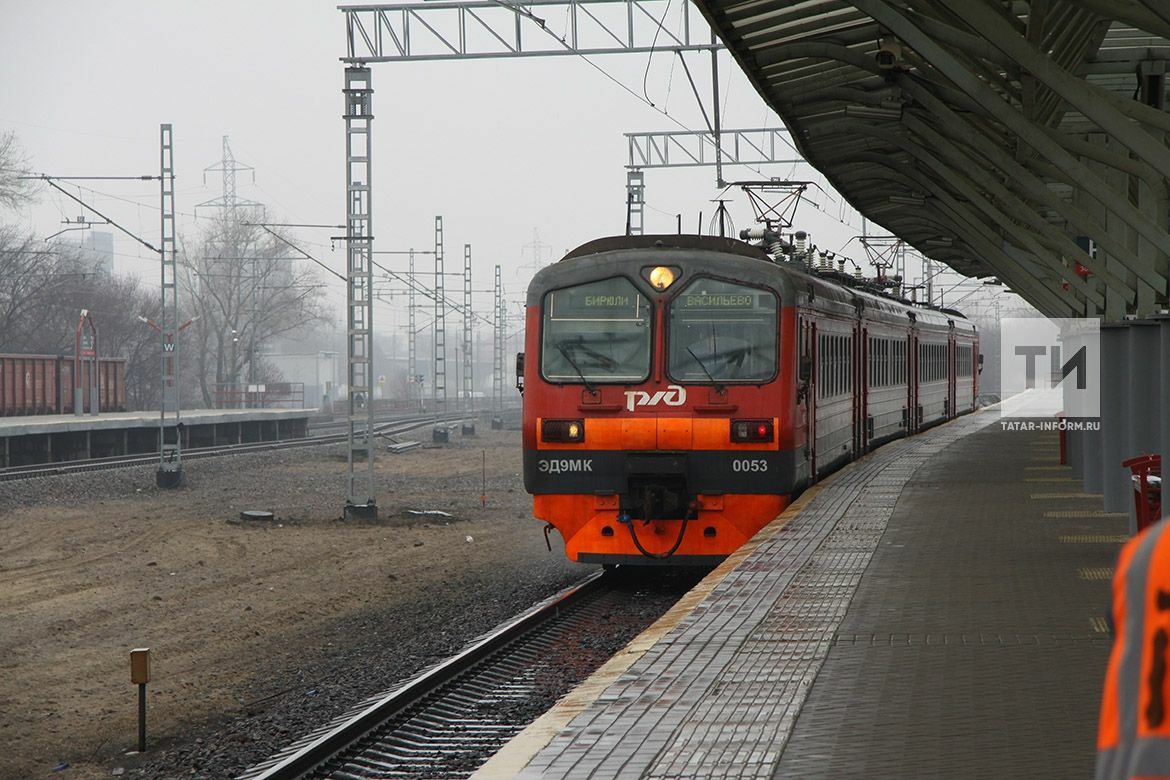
x=222 y=606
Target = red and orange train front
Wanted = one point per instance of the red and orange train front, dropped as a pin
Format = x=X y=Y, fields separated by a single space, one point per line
x=660 y=398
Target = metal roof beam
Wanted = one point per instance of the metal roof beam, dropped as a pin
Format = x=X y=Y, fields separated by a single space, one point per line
x=1132 y=12
x=1018 y=177
x=1108 y=111
x=992 y=214
x=1009 y=116
x=975 y=232
x=960 y=160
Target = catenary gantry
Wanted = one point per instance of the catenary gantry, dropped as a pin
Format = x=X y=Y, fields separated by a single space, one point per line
x=1025 y=140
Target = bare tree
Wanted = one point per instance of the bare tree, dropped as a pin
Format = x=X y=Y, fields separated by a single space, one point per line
x=13 y=190
x=246 y=289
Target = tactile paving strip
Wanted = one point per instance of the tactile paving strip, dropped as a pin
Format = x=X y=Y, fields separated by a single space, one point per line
x=719 y=695
x=975 y=644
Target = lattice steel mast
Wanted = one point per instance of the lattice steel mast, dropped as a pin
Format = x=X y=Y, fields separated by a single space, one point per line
x=170 y=445
x=467 y=407
x=498 y=352
x=411 y=354
x=360 y=501
x=439 y=387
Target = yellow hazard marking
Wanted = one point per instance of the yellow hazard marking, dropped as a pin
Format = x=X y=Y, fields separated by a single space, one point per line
x=1093 y=538
x=1099 y=625
x=1095 y=513
x=1053 y=496
x=1095 y=573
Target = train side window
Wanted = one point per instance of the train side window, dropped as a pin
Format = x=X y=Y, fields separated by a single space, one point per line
x=596 y=332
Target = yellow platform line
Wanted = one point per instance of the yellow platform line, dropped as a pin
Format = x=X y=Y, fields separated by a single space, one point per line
x=1054 y=496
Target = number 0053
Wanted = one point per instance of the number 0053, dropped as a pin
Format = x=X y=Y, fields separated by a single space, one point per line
x=752 y=464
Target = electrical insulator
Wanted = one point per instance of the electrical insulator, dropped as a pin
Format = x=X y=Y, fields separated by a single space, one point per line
x=800 y=237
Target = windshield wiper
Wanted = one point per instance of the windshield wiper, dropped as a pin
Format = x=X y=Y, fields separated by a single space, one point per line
x=561 y=347
x=702 y=365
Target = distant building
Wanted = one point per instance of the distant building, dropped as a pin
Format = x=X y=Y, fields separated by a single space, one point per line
x=97 y=251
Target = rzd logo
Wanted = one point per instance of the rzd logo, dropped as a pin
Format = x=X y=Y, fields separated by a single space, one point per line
x=673 y=395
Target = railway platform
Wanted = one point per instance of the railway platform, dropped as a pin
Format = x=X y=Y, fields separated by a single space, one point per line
x=59 y=437
x=936 y=609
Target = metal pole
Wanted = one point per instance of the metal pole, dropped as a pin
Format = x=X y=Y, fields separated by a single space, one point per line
x=170 y=468
x=439 y=389
x=715 y=112
x=635 y=199
x=467 y=407
x=141 y=717
x=411 y=356
x=1115 y=482
x=359 y=117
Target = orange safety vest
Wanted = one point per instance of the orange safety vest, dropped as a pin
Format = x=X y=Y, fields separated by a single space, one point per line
x=1133 y=739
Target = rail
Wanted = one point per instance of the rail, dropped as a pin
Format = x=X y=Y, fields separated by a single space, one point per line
x=446 y=691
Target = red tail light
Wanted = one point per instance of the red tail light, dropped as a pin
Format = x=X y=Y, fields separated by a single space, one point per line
x=752 y=430
x=563 y=430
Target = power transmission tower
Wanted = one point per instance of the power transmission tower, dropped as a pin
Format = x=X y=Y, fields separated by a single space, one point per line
x=228 y=167
x=228 y=203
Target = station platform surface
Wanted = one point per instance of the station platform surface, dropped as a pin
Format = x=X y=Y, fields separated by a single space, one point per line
x=936 y=609
x=63 y=423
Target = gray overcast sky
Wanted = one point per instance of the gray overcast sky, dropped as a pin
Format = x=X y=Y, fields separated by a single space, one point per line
x=498 y=147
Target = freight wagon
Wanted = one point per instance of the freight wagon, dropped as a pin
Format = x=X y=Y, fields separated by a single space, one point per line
x=43 y=384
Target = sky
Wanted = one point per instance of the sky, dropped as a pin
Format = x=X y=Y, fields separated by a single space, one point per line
x=505 y=150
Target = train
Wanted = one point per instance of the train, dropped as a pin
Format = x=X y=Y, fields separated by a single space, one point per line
x=43 y=384
x=680 y=391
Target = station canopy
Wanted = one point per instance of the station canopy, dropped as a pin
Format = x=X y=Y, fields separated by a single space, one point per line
x=1022 y=140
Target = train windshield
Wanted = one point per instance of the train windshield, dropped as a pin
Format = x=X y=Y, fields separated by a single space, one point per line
x=596 y=332
x=723 y=332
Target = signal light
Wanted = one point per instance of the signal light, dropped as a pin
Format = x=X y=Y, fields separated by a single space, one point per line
x=571 y=431
x=752 y=430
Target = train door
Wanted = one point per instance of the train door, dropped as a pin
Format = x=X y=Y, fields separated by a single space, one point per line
x=912 y=416
x=952 y=393
x=860 y=390
x=807 y=380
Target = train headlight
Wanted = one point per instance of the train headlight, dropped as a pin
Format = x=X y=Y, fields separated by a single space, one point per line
x=662 y=277
x=570 y=431
x=752 y=430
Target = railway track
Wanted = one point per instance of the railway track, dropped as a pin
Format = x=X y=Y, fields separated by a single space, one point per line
x=446 y=721
x=391 y=428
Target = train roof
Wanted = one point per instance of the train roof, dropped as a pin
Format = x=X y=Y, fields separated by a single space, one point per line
x=830 y=286
x=669 y=241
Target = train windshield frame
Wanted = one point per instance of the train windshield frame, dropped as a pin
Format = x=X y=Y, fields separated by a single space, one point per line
x=723 y=332
x=599 y=332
